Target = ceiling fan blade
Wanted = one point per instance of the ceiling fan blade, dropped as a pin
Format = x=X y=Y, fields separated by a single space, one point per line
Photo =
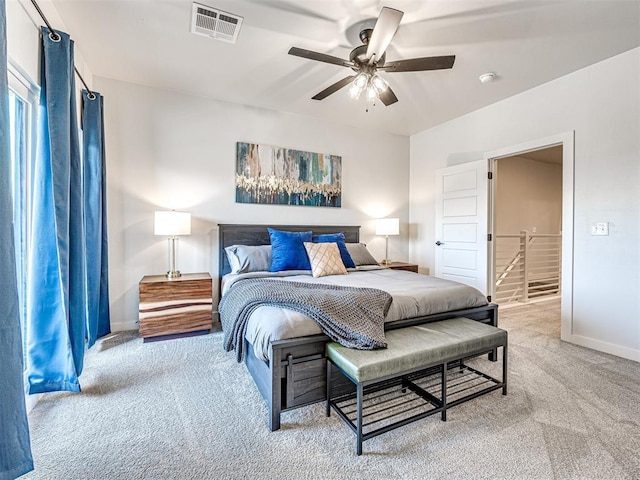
x=320 y=57
x=333 y=88
x=388 y=97
x=386 y=26
x=419 y=64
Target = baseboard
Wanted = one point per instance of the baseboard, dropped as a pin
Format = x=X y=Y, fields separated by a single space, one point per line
x=123 y=326
x=31 y=401
x=605 y=347
x=126 y=326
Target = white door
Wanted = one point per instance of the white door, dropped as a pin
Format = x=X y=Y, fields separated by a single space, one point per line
x=461 y=224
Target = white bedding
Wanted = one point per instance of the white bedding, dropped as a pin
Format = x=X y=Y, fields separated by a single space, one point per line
x=413 y=295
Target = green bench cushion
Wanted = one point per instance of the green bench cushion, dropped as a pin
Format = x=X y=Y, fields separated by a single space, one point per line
x=413 y=348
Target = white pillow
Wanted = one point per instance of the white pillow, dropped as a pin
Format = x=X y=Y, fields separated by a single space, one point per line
x=360 y=254
x=249 y=258
x=325 y=259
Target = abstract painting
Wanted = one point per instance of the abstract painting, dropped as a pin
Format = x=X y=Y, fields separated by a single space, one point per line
x=283 y=176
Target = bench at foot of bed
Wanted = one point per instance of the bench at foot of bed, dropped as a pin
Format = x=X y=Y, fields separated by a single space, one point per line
x=421 y=373
x=296 y=374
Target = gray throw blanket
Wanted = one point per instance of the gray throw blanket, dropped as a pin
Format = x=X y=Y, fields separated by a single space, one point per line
x=354 y=317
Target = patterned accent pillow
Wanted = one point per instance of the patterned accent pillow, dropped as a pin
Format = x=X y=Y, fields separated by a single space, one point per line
x=339 y=239
x=325 y=259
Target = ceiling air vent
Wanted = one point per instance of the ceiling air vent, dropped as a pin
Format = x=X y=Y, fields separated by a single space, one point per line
x=214 y=23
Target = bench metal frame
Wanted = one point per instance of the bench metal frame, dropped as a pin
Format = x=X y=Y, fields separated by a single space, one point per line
x=409 y=395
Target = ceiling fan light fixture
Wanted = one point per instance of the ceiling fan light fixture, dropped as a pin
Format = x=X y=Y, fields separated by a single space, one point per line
x=355 y=91
x=361 y=80
x=379 y=84
x=358 y=85
x=372 y=95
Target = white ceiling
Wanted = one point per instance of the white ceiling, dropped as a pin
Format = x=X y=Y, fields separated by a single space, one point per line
x=525 y=42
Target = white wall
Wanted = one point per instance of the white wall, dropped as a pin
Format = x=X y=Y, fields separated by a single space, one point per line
x=23 y=39
x=168 y=150
x=601 y=103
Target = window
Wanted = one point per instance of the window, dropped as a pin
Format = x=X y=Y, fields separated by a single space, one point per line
x=22 y=97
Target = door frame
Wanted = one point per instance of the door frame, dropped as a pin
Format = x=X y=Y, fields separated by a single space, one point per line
x=567 y=140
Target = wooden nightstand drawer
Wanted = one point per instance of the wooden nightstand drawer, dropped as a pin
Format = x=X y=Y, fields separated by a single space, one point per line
x=410 y=267
x=175 y=307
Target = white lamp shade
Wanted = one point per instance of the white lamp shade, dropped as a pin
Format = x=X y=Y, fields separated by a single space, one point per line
x=388 y=226
x=172 y=223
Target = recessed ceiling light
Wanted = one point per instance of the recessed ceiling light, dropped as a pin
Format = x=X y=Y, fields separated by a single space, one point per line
x=487 y=77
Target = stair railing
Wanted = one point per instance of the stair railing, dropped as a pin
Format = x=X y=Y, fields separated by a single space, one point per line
x=527 y=266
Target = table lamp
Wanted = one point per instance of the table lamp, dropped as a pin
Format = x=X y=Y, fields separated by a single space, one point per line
x=386 y=227
x=172 y=224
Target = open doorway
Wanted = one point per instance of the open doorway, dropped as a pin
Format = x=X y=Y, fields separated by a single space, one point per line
x=527 y=227
x=566 y=142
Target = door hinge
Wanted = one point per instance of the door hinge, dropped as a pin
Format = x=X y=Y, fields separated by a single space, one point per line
x=490 y=175
x=489 y=237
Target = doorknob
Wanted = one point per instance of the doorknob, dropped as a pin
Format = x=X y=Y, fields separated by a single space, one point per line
x=438 y=243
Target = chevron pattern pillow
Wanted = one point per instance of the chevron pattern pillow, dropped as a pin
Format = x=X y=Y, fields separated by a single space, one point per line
x=325 y=259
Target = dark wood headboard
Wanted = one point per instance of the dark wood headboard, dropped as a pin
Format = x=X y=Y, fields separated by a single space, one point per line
x=230 y=234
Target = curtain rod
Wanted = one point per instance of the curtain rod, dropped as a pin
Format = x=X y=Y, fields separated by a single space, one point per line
x=55 y=37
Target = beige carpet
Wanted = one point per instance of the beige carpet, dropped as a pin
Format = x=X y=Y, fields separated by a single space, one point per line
x=186 y=409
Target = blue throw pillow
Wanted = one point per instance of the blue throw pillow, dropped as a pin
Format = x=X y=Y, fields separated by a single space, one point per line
x=288 y=252
x=342 y=246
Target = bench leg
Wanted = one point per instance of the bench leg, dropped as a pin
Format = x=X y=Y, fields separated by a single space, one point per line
x=443 y=390
x=493 y=355
x=504 y=369
x=359 y=419
x=328 y=388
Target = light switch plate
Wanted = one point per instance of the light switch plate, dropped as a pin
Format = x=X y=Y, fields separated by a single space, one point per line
x=601 y=228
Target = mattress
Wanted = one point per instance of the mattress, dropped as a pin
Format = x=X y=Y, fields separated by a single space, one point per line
x=413 y=295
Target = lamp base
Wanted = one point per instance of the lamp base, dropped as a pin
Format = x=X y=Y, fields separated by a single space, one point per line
x=173 y=274
x=386 y=260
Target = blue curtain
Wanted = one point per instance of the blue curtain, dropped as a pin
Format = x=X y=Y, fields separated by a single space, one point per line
x=15 y=445
x=56 y=295
x=95 y=212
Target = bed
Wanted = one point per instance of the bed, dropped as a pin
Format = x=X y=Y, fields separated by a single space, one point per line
x=289 y=367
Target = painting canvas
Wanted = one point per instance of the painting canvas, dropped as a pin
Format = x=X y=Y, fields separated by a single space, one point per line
x=283 y=176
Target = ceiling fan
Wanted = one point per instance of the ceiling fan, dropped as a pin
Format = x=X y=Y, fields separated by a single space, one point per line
x=369 y=58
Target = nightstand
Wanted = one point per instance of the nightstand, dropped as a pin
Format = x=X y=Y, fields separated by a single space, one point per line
x=175 y=307
x=410 y=267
